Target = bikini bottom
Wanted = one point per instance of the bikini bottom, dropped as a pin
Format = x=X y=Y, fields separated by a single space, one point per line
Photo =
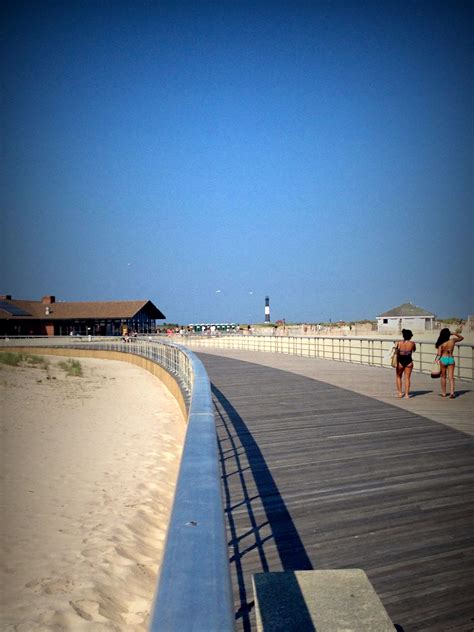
x=405 y=360
x=447 y=360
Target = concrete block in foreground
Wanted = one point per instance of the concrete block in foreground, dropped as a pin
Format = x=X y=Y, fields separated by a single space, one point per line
x=321 y=601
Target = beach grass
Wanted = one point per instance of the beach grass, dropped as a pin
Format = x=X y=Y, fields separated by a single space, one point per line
x=36 y=361
x=11 y=358
x=73 y=368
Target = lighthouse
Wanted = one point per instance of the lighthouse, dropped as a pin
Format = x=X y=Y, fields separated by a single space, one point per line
x=267 y=309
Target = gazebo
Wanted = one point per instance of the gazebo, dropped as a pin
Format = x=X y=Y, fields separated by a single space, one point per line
x=405 y=316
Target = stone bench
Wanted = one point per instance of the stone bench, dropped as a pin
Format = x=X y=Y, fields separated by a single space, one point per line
x=318 y=601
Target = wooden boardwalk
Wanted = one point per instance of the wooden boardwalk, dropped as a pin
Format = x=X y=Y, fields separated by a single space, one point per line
x=318 y=476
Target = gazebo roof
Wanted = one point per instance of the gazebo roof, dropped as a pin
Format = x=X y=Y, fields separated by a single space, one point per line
x=406 y=309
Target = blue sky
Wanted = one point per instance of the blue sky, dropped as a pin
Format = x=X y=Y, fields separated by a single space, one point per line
x=316 y=152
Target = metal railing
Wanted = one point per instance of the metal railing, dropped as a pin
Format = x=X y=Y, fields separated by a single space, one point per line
x=359 y=350
x=194 y=588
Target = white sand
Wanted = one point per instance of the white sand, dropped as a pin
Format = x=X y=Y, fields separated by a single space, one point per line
x=88 y=471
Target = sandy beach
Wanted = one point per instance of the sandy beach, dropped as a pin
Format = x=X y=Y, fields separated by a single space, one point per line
x=89 y=466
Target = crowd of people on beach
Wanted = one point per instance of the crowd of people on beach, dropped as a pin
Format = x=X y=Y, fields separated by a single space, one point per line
x=444 y=361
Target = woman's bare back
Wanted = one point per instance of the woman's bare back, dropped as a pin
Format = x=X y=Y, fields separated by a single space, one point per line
x=446 y=349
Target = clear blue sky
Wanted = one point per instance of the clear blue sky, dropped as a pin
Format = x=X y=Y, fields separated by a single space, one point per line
x=317 y=152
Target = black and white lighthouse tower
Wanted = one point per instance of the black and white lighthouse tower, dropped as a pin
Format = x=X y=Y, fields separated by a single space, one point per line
x=267 y=309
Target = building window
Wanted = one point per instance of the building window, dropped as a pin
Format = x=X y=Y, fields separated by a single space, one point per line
x=385 y=321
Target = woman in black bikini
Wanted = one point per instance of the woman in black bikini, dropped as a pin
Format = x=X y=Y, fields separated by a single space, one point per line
x=404 y=362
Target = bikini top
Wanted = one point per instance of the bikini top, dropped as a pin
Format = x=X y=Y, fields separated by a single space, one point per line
x=405 y=352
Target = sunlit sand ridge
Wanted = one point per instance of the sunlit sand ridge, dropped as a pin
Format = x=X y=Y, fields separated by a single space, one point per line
x=89 y=466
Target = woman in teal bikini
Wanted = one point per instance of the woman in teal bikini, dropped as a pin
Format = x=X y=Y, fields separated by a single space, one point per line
x=445 y=345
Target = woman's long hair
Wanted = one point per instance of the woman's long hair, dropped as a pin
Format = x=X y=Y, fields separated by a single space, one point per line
x=444 y=336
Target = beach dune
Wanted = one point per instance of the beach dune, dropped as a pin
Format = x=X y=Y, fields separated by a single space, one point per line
x=89 y=466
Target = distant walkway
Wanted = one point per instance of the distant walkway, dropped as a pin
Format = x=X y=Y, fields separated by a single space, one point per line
x=320 y=476
x=374 y=382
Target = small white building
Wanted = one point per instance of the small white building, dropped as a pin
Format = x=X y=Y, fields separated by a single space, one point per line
x=406 y=316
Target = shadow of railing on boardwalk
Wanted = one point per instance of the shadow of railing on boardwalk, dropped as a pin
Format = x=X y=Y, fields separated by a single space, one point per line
x=233 y=430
